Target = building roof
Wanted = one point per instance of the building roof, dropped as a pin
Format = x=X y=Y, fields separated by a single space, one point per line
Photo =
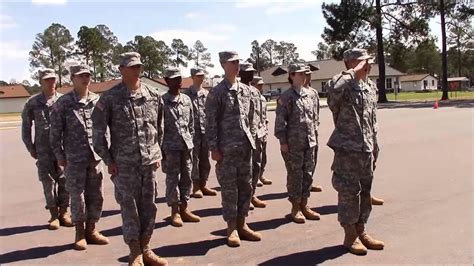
x=186 y=82
x=416 y=77
x=327 y=69
x=96 y=87
x=13 y=91
x=458 y=79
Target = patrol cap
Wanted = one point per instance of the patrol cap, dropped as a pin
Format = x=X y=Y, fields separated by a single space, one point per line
x=356 y=54
x=257 y=80
x=79 y=69
x=197 y=71
x=130 y=59
x=246 y=67
x=46 y=73
x=227 y=56
x=172 y=73
x=296 y=67
x=308 y=70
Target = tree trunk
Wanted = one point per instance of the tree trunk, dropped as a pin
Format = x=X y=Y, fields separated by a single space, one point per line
x=459 y=57
x=380 y=54
x=444 y=81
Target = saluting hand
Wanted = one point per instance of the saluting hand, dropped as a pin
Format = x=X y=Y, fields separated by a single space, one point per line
x=361 y=70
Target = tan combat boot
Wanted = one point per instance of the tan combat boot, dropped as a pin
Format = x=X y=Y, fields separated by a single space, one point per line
x=233 y=239
x=197 y=194
x=65 y=217
x=80 y=240
x=95 y=237
x=351 y=242
x=265 y=180
x=245 y=232
x=366 y=239
x=175 y=217
x=296 y=214
x=135 y=258
x=377 y=201
x=256 y=202
x=149 y=257
x=54 y=220
x=307 y=212
x=207 y=191
x=316 y=188
x=187 y=215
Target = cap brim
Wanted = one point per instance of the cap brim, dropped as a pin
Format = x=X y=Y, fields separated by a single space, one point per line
x=82 y=72
x=174 y=76
x=365 y=57
x=233 y=58
x=199 y=74
x=133 y=63
x=260 y=83
x=48 y=76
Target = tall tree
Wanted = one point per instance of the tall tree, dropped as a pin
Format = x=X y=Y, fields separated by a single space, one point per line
x=323 y=51
x=155 y=54
x=181 y=53
x=50 y=49
x=286 y=53
x=351 y=24
x=460 y=40
x=258 y=57
x=200 y=55
x=269 y=47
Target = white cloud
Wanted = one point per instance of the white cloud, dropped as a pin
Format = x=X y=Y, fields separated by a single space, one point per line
x=191 y=15
x=7 y=22
x=278 y=7
x=252 y=3
x=224 y=28
x=13 y=50
x=49 y=2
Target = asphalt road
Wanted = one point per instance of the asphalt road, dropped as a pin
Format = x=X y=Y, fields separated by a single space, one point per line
x=425 y=174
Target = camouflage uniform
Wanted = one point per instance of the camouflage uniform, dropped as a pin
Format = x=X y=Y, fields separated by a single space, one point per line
x=354 y=142
x=260 y=140
x=318 y=107
x=230 y=129
x=71 y=141
x=201 y=163
x=263 y=133
x=135 y=125
x=37 y=109
x=295 y=125
x=177 y=146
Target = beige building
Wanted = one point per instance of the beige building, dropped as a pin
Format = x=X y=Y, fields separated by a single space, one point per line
x=327 y=69
x=13 y=98
x=419 y=82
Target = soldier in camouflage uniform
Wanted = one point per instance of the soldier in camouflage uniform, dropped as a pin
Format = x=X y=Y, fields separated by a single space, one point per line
x=246 y=74
x=71 y=141
x=37 y=109
x=352 y=99
x=295 y=127
x=258 y=83
x=177 y=148
x=201 y=163
x=133 y=113
x=307 y=84
x=230 y=131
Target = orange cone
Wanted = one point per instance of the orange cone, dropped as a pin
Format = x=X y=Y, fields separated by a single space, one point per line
x=436 y=105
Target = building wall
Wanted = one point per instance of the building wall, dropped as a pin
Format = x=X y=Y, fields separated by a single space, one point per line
x=12 y=105
x=431 y=84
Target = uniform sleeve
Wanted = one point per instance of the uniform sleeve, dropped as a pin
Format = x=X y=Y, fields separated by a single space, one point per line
x=100 y=120
x=160 y=122
x=212 y=123
x=376 y=125
x=26 y=124
x=56 y=131
x=281 y=121
x=335 y=91
x=191 y=120
x=254 y=117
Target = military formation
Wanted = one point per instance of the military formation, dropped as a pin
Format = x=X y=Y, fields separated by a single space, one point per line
x=133 y=131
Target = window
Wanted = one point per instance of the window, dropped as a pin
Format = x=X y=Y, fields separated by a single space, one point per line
x=425 y=84
x=323 y=86
x=389 y=83
x=432 y=82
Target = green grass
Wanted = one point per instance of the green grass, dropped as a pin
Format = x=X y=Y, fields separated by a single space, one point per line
x=426 y=96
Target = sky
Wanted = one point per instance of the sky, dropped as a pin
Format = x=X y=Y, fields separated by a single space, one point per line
x=220 y=25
